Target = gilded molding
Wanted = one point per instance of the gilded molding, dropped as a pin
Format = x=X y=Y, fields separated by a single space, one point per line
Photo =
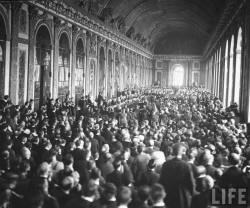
x=71 y=15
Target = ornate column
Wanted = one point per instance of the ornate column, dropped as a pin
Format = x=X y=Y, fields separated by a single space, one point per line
x=123 y=68
x=106 y=71
x=130 y=68
x=57 y=26
x=75 y=31
x=15 y=12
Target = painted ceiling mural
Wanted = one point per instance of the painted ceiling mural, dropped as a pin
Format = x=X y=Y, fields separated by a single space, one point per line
x=152 y=22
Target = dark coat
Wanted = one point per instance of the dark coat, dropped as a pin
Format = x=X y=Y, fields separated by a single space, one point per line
x=116 y=177
x=233 y=178
x=178 y=181
x=148 y=177
x=78 y=202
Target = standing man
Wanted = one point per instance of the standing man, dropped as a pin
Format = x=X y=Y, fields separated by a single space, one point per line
x=177 y=179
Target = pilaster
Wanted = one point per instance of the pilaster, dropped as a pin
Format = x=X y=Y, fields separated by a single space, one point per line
x=15 y=12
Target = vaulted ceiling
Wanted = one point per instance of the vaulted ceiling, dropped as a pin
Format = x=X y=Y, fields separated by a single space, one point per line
x=155 y=23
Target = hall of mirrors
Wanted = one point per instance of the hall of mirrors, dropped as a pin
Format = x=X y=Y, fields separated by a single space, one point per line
x=124 y=103
x=53 y=49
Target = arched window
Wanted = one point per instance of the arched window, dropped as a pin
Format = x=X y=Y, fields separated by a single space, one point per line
x=225 y=76
x=110 y=74
x=231 y=72
x=2 y=55
x=117 y=73
x=102 y=70
x=237 y=77
x=210 y=82
x=79 y=71
x=215 y=73
x=207 y=74
x=42 y=66
x=219 y=73
x=178 y=76
x=64 y=64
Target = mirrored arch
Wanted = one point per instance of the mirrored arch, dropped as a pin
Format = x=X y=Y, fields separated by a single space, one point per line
x=79 y=70
x=63 y=66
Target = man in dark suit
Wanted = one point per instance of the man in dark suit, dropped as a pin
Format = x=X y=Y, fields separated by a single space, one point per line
x=149 y=177
x=177 y=179
x=233 y=177
x=107 y=134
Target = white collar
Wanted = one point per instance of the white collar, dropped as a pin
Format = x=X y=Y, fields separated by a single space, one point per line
x=159 y=204
x=123 y=206
x=88 y=198
x=113 y=199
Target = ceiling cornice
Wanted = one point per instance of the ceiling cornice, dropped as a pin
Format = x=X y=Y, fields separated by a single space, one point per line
x=230 y=12
x=72 y=16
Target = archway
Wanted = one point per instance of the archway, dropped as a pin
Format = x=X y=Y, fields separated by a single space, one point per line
x=225 y=76
x=117 y=74
x=92 y=78
x=2 y=54
x=42 y=66
x=110 y=75
x=231 y=72
x=63 y=66
x=219 y=74
x=178 y=76
x=215 y=72
x=79 y=71
x=102 y=70
x=133 y=72
x=237 y=85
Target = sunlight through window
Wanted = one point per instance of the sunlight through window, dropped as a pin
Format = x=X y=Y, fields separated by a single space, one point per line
x=178 y=76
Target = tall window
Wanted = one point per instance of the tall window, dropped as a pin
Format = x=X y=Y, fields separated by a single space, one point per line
x=64 y=64
x=42 y=70
x=110 y=75
x=231 y=71
x=102 y=70
x=218 y=77
x=210 y=74
x=237 y=77
x=215 y=73
x=225 y=76
x=79 y=71
x=178 y=76
x=2 y=55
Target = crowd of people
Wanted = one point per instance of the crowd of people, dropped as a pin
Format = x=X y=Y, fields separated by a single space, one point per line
x=155 y=148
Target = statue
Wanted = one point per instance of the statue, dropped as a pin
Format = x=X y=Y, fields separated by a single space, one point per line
x=131 y=33
x=106 y=15
x=120 y=24
x=90 y=6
